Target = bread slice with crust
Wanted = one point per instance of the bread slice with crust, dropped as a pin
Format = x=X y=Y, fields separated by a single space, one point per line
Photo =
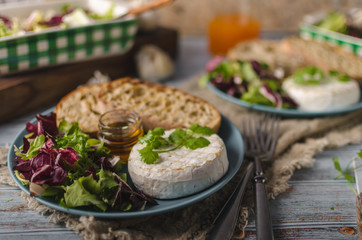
x=81 y=105
x=267 y=51
x=159 y=105
x=324 y=55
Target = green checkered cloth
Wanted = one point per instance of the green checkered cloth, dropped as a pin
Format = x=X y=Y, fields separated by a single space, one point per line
x=352 y=44
x=62 y=46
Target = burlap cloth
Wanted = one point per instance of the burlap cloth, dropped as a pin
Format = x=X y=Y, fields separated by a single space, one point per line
x=299 y=141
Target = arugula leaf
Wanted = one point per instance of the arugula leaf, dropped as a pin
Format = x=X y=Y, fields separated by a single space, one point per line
x=34 y=147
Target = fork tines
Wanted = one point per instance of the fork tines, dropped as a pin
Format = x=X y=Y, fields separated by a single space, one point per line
x=261 y=135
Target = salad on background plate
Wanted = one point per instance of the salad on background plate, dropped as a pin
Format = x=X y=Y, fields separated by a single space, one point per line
x=250 y=81
x=255 y=85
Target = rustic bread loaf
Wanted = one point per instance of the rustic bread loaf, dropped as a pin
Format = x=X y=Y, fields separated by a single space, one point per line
x=324 y=55
x=158 y=105
x=81 y=105
x=267 y=51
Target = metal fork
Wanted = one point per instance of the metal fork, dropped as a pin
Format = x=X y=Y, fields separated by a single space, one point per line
x=260 y=138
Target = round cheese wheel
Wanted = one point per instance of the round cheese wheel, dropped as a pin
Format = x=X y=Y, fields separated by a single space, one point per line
x=326 y=96
x=180 y=172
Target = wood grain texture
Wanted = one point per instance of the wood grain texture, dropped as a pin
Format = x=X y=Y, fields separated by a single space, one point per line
x=317 y=208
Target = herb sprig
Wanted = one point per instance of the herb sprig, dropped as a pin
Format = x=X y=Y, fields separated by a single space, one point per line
x=347 y=172
x=156 y=143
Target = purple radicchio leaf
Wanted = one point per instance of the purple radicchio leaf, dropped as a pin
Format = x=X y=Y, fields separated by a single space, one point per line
x=213 y=63
x=44 y=125
x=104 y=162
x=68 y=156
x=272 y=96
x=91 y=171
x=24 y=167
x=49 y=123
x=52 y=22
x=289 y=100
x=40 y=160
x=49 y=175
x=7 y=21
x=26 y=145
x=136 y=198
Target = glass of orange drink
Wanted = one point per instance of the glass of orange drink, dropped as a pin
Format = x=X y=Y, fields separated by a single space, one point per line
x=231 y=24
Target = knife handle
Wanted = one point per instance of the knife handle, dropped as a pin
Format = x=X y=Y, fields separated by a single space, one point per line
x=224 y=224
x=264 y=230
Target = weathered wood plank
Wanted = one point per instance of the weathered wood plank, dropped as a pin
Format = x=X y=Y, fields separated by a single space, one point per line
x=323 y=168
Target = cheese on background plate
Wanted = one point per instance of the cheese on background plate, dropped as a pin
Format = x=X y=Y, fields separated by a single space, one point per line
x=329 y=95
x=180 y=172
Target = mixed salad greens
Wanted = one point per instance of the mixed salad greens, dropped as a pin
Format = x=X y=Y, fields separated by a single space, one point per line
x=69 y=16
x=250 y=81
x=76 y=170
x=346 y=23
x=255 y=83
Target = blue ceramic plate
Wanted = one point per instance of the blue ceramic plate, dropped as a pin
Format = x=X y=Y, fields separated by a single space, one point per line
x=235 y=151
x=295 y=113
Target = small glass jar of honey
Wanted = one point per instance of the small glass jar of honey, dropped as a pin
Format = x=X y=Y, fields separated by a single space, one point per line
x=120 y=130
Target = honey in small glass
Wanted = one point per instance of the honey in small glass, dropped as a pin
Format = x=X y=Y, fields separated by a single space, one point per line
x=120 y=130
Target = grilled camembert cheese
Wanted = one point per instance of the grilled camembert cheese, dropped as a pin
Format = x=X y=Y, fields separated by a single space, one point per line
x=180 y=172
x=326 y=96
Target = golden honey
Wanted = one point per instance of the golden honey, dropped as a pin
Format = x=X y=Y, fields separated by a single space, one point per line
x=120 y=130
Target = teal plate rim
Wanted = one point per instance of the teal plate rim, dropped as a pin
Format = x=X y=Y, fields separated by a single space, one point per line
x=235 y=151
x=295 y=113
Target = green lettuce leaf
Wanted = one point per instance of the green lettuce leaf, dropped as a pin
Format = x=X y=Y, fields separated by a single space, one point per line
x=255 y=97
x=78 y=194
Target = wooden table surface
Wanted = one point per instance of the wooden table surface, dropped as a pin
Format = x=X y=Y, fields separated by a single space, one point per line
x=316 y=206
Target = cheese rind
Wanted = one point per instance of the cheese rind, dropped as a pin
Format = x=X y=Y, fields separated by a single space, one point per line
x=180 y=172
x=326 y=96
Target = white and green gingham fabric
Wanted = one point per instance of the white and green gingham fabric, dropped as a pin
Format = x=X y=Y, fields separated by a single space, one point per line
x=62 y=46
x=352 y=44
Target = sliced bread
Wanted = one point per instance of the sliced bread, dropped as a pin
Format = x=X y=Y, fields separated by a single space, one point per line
x=324 y=55
x=81 y=105
x=267 y=51
x=158 y=105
